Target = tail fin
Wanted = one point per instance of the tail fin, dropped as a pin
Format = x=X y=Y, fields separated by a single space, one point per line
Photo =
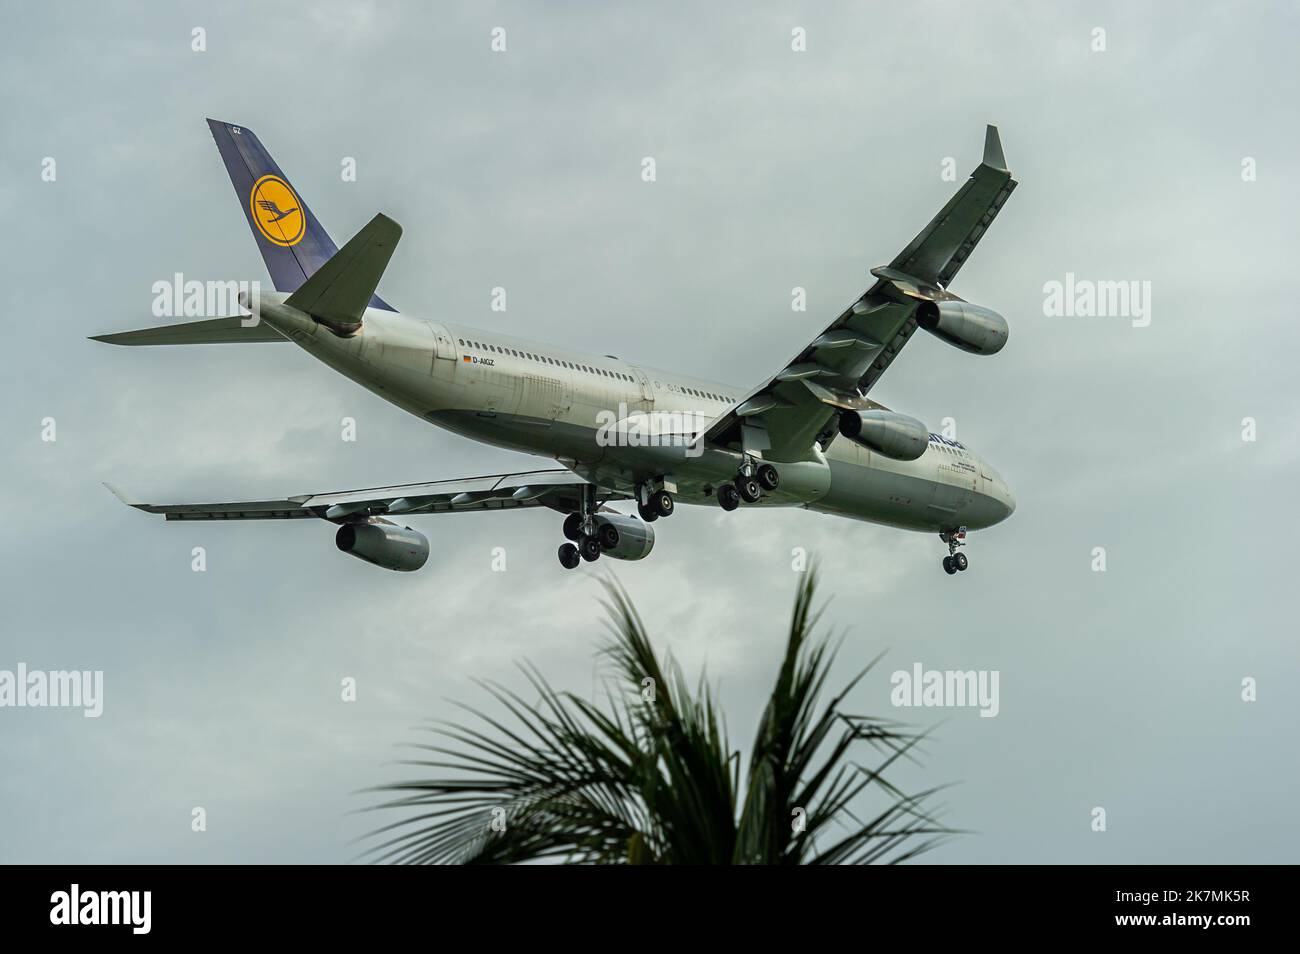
x=293 y=242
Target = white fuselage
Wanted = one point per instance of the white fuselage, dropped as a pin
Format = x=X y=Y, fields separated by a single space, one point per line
x=559 y=403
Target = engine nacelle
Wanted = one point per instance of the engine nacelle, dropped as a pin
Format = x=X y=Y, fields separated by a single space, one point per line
x=972 y=328
x=896 y=436
x=384 y=544
x=624 y=537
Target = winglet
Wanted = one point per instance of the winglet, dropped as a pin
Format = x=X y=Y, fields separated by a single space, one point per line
x=119 y=495
x=993 y=157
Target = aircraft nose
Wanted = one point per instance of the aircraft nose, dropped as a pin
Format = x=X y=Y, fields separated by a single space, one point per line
x=1006 y=499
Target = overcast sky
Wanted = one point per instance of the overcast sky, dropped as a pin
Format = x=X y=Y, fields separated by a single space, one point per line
x=1119 y=689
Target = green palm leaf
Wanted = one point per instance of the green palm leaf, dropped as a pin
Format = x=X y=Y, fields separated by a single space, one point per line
x=650 y=777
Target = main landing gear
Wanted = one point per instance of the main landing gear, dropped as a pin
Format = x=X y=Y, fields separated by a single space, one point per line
x=584 y=546
x=658 y=503
x=954 y=562
x=748 y=486
x=588 y=539
x=582 y=531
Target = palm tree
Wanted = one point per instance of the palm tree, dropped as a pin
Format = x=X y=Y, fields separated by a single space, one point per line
x=651 y=778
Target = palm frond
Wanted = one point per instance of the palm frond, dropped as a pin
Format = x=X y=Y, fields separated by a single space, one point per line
x=650 y=776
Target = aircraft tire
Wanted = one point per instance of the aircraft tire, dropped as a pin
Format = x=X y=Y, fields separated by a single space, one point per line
x=728 y=497
x=661 y=501
x=749 y=489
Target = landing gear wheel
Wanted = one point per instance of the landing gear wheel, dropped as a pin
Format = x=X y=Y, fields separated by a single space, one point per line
x=608 y=536
x=573 y=527
x=648 y=514
x=568 y=556
x=768 y=478
x=954 y=562
x=728 y=497
x=589 y=548
x=748 y=488
x=661 y=502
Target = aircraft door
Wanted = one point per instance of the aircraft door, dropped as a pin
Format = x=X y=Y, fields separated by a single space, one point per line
x=647 y=393
x=954 y=486
x=444 y=347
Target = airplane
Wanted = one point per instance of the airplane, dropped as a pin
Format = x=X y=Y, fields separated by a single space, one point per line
x=806 y=436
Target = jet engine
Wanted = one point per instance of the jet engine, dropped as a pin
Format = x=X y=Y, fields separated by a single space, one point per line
x=624 y=537
x=972 y=328
x=384 y=544
x=896 y=436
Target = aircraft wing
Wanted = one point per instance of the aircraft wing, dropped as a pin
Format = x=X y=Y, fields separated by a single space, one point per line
x=797 y=407
x=558 y=489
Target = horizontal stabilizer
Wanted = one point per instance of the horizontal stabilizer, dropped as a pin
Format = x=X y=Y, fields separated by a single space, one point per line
x=230 y=330
x=339 y=291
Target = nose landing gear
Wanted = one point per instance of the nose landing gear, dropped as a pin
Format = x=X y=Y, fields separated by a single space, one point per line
x=954 y=562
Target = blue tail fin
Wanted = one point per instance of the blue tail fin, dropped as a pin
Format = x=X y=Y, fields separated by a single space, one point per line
x=293 y=242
